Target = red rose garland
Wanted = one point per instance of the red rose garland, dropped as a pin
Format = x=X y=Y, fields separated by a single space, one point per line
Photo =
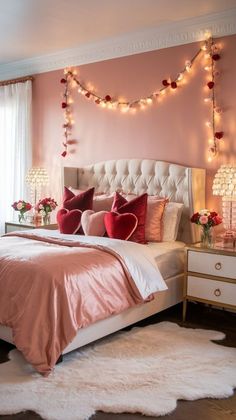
x=211 y=51
x=66 y=106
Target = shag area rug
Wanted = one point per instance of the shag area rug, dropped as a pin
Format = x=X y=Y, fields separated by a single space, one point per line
x=145 y=370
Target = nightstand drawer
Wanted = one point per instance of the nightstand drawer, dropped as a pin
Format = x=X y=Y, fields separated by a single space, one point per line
x=212 y=264
x=212 y=290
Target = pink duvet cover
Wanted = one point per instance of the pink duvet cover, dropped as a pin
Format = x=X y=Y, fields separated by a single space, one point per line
x=49 y=288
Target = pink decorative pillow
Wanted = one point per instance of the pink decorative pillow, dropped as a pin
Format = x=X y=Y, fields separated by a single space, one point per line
x=69 y=221
x=82 y=201
x=102 y=202
x=93 y=223
x=154 y=219
x=120 y=226
x=138 y=207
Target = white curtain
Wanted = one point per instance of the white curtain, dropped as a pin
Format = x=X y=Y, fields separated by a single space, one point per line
x=15 y=145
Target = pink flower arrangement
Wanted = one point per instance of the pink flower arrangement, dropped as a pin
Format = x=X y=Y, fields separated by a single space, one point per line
x=206 y=218
x=45 y=206
x=21 y=206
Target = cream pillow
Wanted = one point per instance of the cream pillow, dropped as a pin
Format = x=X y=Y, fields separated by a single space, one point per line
x=171 y=221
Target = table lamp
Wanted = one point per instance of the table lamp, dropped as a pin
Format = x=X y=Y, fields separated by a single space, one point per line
x=224 y=185
x=36 y=178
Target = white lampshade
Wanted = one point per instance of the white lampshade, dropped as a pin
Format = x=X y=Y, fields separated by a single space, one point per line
x=224 y=183
x=37 y=176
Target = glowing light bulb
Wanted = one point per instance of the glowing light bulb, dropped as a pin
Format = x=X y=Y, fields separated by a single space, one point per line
x=207 y=100
x=208 y=34
x=124 y=108
x=188 y=66
x=149 y=101
x=180 y=76
x=207 y=68
x=209 y=159
x=208 y=124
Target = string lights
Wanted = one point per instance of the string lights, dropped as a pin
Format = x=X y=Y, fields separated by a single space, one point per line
x=211 y=53
x=66 y=106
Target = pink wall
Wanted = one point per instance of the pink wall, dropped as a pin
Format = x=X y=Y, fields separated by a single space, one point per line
x=173 y=130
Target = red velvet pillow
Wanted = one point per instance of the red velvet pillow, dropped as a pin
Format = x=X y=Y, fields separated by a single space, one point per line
x=82 y=201
x=138 y=207
x=69 y=221
x=120 y=226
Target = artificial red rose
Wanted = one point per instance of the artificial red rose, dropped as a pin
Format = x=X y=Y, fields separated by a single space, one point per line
x=64 y=153
x=215 y=57
x=195 y=217
x=219 y=135
x=173 y=85
x=88 y=95
x=107 y=98
x=63 y=80
x=213 y=213
x=64 y=105
x=165 y=82
x=217 y=220
x=97 y=101
x=211 y=84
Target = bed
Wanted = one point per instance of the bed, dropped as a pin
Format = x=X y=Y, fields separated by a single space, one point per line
x=178 y=183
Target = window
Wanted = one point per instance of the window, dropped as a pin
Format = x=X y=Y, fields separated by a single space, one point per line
x=15 y=145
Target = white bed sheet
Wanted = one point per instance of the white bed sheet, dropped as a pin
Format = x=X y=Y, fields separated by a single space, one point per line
x=169 y=257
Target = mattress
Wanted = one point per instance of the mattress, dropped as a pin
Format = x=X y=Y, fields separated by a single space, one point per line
x=169 y=257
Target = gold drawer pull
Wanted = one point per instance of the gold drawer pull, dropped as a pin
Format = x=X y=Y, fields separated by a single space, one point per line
x=217 y=292
x=218 y=266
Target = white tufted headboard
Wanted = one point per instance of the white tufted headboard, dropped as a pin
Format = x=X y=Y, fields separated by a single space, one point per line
x=178 y=183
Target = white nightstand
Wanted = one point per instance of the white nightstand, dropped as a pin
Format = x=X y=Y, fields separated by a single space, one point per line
x=210 y=276
x=13 y=226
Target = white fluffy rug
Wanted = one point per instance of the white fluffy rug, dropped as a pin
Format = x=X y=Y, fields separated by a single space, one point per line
x=145 y=370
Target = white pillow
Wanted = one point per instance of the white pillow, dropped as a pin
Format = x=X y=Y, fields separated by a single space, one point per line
x=171 y=220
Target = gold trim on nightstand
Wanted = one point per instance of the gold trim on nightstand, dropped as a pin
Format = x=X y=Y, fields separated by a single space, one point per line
x=203 y=283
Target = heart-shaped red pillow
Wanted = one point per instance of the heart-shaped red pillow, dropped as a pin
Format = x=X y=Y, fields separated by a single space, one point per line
x=120 y=226
x=69 y=221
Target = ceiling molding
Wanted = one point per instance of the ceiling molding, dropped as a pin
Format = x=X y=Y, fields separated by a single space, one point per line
x=178 y=33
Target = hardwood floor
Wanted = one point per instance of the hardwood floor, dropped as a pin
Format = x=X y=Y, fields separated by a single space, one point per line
x=198 y=316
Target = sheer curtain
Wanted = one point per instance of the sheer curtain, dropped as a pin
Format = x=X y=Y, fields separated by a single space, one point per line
x=15 y=145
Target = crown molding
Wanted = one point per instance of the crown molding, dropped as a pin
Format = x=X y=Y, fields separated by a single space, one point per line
x=178 y=33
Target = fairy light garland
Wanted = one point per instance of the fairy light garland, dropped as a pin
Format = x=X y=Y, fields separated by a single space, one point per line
x=212 y=53
x=66 y=106
x=70 y=81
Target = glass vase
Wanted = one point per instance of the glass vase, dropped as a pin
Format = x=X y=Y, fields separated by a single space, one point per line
x=21 y=217
x=46 y=219
x=207 y=238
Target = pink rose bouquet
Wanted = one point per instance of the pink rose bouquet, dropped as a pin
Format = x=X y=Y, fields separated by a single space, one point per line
x=45 y=206
x=21 y=206
x=207 y=220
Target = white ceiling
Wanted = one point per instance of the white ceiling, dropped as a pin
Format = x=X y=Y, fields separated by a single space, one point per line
x=35 y=28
